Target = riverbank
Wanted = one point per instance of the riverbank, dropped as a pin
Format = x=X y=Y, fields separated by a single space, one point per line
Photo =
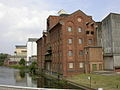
x=97 y=81
x=17 y=66
x=65 y=81
x=16 y=77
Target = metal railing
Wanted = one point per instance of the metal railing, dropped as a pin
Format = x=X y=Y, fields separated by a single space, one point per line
x=9 y=87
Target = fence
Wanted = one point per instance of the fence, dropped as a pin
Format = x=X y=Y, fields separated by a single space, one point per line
x=8 y=87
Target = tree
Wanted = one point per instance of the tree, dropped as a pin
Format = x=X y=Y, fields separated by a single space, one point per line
x=3 y=57
x=22 y=62
x=33 y=68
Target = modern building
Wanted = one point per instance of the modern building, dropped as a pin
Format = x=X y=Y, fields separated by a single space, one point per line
x=69 y=45
x=109 y=34
x=32 y=49
x=13 y=60
x=21 y=50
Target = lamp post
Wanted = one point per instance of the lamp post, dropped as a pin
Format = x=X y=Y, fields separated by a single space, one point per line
x=89 y=78
x=14 y=55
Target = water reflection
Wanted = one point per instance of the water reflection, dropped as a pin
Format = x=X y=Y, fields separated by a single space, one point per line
x=43 y=82
x=22 y=73
x=20 y=78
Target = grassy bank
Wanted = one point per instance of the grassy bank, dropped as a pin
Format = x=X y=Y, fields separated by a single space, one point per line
x=17 y=66
x=97 y=81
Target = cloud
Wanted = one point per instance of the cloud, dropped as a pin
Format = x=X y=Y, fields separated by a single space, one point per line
x=21 y=19
x=19 y=23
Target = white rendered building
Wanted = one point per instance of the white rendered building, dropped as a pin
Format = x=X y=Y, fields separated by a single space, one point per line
x=31 y=49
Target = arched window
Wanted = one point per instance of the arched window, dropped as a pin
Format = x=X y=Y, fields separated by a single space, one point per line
x=81 y=53
x=90 y=41
x=70 y=41
x=80 y=40
x=79 y=29
x=69 y=29
x=70 y=53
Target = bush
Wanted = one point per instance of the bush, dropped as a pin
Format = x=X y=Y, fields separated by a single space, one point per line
x=22 y=62
x=33 y=68
x=17 y=66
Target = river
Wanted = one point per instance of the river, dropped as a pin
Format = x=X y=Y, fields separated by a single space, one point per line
x=9 y=76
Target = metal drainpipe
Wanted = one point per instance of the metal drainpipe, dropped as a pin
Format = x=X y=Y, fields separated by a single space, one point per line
x=85 y=61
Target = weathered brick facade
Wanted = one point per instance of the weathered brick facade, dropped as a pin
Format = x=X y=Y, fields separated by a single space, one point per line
x=61 y=50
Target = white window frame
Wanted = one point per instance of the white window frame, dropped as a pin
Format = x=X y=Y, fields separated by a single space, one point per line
x=70 y=53
x=70 y=41
x=70 y=65
x=80 y=40
x=81 y=65
x=69 y=29
x=81 y=53
x=90 y=41
x=79 y=29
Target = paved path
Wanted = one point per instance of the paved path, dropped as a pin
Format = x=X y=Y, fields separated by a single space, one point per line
x=107 y=73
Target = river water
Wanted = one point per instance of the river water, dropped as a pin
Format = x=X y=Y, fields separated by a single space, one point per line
x=9 y=76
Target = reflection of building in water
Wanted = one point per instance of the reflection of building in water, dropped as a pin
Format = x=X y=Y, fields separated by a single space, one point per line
x=40 y=82
x=22 y=80
x=30 y=81
x=18 y=76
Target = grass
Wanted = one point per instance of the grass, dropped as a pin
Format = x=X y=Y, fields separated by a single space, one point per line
x=97 y=81
x=17 y=66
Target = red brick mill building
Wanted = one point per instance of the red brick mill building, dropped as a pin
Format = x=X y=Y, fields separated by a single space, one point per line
x=69 y=46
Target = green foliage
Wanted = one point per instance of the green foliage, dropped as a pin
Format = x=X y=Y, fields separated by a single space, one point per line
x=3 y=57
x=111 y=82
x=22 y=73
x=33 y=68
x=22 y=62
x=17 y=66
x=1 y=63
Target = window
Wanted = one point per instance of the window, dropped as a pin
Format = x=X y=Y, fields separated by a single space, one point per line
x=79 y=19
x=69 y=29
x=87 y=32
x=79 y=29
x=80 y=41
x=70 y=53
x=92 y=32
x=90 y=41
x=81 y=53
x=70 y=65
x=94 y=67
x=81 y=65
x=70 y=41
x=100 y=66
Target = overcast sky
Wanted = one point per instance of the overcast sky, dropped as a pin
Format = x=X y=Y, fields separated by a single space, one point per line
x=22 y=19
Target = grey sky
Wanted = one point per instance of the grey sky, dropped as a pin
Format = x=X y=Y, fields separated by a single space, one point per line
x=21 y=19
